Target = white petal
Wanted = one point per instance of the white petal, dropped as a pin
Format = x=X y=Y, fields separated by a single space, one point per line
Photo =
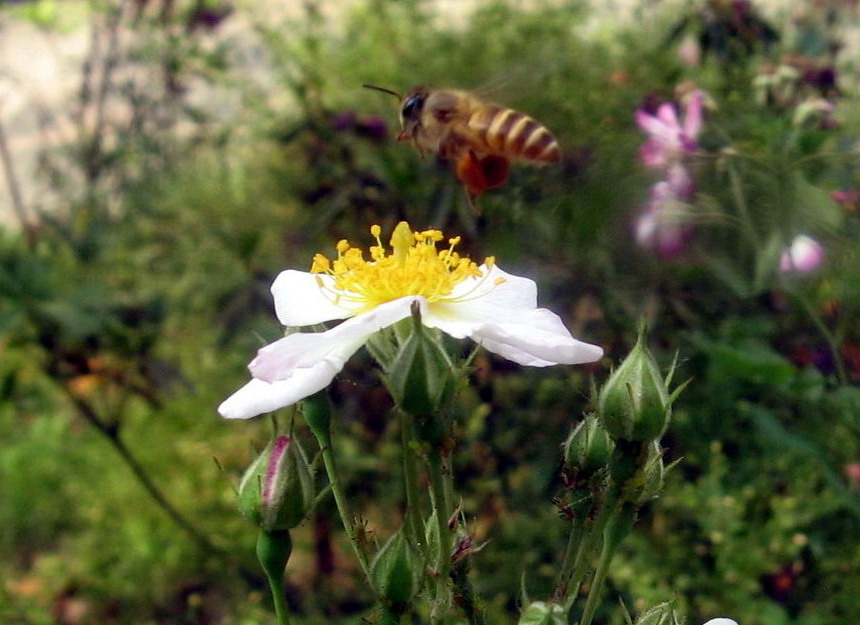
x=537 y=340
x=721 y=621
x=279 y=360
x=258 y=397
x=505 y=320
x=299 y=300
x=498 y=295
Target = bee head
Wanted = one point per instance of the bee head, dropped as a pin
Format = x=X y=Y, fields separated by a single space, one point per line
x=413 y=103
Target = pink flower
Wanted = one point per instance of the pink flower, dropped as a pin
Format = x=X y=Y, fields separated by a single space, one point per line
x=803 y=255
x=664 y=225
x=670 y=138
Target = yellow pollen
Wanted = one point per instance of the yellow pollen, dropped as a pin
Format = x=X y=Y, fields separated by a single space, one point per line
x=413 y=266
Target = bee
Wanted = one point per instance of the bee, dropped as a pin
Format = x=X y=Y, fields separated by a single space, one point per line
x=481 y=138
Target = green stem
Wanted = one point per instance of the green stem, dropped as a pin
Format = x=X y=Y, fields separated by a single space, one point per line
x=390 y=617
x=410 y=478
x=747 y=225
x=574 y=544
x=593 y=532
x=273 y=552
x=343 y=511
x=317 y=413
x=620 y=522
x=441 y=512
x=281 y=614
x=829 y=337
x=596 y=590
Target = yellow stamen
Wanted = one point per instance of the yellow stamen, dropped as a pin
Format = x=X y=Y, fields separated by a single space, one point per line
x=413 y=267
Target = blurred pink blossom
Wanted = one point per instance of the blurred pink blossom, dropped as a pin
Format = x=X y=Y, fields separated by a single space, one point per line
x=803 y=255
x=669 y=138
x=664 y=225
x=852 y=474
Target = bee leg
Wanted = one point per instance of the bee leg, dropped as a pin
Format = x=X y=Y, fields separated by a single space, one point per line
x=471 y=174
x=495 y=170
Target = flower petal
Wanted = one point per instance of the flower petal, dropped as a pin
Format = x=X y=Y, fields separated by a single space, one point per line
x=538 y=339
x=693 y=115
x=721 y=621
x=299 y=300
x=502 y=316
x=257 y=397
x=666 y=113
x=281 y=359
x=655 y=127
x=492 y=297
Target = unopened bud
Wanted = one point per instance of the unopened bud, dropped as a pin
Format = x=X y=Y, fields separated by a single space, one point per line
x=277 y=490
x=588 y=448
x=634 y=403
x=422 y=377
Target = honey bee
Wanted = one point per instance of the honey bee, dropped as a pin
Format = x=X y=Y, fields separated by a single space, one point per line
x=479 y=137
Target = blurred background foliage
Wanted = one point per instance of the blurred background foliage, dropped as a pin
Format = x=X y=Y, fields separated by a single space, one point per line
x=215 y=144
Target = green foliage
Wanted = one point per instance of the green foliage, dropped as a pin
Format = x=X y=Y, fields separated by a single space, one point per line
x=134 y=310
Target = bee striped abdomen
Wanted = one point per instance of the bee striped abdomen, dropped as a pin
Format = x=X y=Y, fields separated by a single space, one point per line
x=513 y=134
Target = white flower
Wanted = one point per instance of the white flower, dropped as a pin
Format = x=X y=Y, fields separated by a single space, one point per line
x=494 y=308
x=721 y=621
x=803 y=255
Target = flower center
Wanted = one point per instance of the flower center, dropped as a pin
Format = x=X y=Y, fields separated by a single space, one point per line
x=413 y=266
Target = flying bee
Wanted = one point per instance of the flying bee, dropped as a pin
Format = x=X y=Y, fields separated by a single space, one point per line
x=479 y=137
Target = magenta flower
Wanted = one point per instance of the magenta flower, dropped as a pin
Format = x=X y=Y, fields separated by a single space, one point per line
x=669 y=138
x=803 y=255
x=664 y=225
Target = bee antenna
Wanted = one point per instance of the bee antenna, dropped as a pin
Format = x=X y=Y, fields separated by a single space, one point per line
x=383 y=90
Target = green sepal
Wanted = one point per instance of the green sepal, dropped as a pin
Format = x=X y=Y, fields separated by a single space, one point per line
x=394 y=572
x=543 y=613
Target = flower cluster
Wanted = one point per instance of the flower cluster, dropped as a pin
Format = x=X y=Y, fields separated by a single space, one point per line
x=664 y=224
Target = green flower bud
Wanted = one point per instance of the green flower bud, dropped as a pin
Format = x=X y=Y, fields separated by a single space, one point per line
x=634 y=403
x=588 y=448
x=277 y=490
x=394 y=572
x=421 y=377
x=661 y=614
x=543 y=613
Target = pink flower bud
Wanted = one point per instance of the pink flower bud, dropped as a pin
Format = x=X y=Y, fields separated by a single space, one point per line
x=803 y=255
